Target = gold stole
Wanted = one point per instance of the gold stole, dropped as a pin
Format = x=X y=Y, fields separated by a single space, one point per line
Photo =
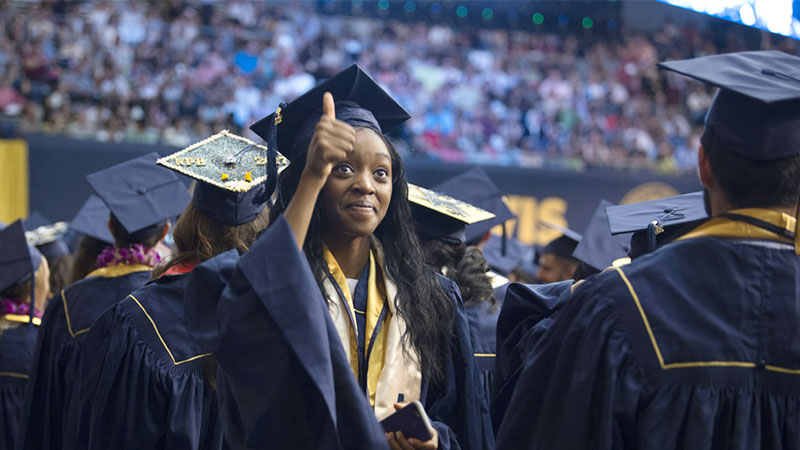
x=376 y=298
x=729 y=228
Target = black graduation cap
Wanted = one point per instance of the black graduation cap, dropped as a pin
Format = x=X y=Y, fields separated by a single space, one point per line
x=18 y=260
x=35 y=220
x=502 y=256
x=442 y=217
x=140 y=194
x=475 y=187
x=563 y=245
x=232 y=176
x=656 y=222
x=359 y=100
x=92 y=220
x=598 y=248
x=756 y=112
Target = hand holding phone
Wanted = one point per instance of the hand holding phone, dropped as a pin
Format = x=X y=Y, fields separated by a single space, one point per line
x=412 y=421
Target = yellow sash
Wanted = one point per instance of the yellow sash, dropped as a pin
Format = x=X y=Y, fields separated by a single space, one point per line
x=376 y=297
x=118 y=270
x=729 y=228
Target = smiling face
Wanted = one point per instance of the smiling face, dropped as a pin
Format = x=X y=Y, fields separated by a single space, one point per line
x=358 y=191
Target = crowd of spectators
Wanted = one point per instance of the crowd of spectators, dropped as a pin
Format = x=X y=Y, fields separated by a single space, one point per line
x=174 y=72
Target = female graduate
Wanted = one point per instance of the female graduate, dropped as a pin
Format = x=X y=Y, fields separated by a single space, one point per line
x=24 y=285
x=145 y=382
x=402 y=326
x=128 y=189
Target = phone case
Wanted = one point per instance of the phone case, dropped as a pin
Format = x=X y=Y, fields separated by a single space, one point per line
x=412 y=421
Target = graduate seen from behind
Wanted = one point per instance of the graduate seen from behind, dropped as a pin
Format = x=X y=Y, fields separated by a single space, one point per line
x=441 y=224
x=692 y=346
x=140 y=198
x=402 y=326
x=144 y=381
x=24 y=286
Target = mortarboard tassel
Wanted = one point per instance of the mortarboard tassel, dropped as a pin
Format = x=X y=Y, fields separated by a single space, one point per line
x=797 y=228
x=272 y=153
x=652 y=230
x=504 y=247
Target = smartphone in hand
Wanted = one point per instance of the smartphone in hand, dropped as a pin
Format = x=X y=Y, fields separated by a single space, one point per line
x=412 y=421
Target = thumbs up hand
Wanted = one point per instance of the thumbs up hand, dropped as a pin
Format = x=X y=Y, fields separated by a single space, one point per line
x=332 y=141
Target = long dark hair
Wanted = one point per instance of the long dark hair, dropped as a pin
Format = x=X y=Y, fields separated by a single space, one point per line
x=85 y=259
x=199 y=237
x=464 y=265
x=421 y=302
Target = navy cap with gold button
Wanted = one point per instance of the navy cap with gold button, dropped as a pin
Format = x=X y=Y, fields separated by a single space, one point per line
x=232 y=176
x=92 y=220
x=656 y=222
x=598 y=248
x=756 y=112
x=475 y=187
x=141 y=195
x=359 y=100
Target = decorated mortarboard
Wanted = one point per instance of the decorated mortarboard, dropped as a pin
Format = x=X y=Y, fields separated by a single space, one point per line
x=756 y=112
x=656 y=221
x=92 y=220
x=232 y=176
x=442 y=217
x=18 y=262
x=475 y=187
x=141 y=195
x=359 y=101
x=563 y=245
x=598 y=248
x=48 y=240
x=35 y=220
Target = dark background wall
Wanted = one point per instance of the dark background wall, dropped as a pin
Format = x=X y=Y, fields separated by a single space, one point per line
x=58 y=188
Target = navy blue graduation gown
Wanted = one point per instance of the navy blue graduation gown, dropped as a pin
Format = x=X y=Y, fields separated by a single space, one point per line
x=49 y=421
x=142 y=382
x=284 y=380
x=16 y=352
x=694 y=346
x=482 y=319
x=528 y=311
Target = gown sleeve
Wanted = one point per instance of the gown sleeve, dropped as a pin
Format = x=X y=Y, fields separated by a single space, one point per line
x=45 y=411
x=132 y=399
x=283 y=378
x=578 y=382
x=528 y=311
x=457 y=407
x=16 y=351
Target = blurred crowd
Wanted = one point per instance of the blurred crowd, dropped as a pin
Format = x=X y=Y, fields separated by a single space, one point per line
x=175 y=72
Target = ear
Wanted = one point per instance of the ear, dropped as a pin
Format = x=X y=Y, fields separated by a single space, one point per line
x=704 y=169
x=110 y=229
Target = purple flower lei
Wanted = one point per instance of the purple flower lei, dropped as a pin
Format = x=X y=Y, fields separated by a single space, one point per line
x=17 y=306
x=138 y=254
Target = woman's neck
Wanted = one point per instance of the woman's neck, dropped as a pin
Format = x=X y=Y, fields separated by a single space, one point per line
x=352 y=254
